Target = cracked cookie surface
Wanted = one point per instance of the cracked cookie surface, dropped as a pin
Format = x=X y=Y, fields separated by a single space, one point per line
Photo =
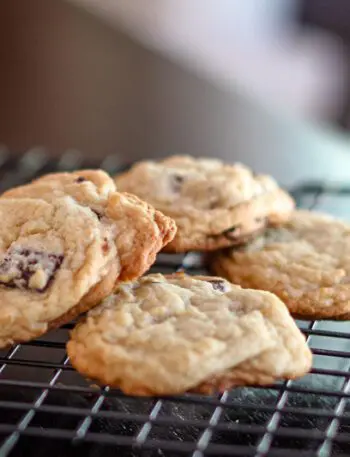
x=214 y=205
x=163 y=335
x=306 y=262
x=65 y=241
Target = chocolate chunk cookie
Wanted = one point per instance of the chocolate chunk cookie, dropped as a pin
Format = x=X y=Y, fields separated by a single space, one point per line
x=214 y=205
x=306 y=262
x=64 y=244
x=164 y=335
x=140 y=231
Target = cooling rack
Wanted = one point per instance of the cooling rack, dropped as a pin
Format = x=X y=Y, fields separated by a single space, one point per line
x=47 y=409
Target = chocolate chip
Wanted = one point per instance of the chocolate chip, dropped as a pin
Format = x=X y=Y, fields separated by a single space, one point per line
x=98 y=214
x=80 y=179
x=232 y=233
x=177 y=181
x=27 y=269
x=218 y=284
x=214 y=204
x=105 y=246
x=260 y=220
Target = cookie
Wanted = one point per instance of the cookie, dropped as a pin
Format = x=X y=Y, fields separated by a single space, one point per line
x=165 y=335
x=88 y=187
x=140 y=231
x=213 y=204
x=59 y=257
x=306 y=262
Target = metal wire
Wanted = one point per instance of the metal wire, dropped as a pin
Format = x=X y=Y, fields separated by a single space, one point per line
x=46 y=408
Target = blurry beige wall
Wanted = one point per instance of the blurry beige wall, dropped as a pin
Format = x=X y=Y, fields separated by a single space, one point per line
x=254 y=44
x=69 y=80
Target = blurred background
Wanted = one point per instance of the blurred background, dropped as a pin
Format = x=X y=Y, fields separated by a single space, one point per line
x=265 y=82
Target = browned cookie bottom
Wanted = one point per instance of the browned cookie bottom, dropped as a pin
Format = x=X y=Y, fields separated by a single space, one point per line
x=91 y=299
x=210 y=243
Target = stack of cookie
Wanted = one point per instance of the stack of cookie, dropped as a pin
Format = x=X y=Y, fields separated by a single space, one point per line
x=71 y=241
x=66 y=240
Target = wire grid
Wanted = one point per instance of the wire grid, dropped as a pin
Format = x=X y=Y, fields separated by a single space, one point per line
x=46 y=408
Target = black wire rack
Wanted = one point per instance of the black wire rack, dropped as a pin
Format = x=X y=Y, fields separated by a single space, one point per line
x=46 y=408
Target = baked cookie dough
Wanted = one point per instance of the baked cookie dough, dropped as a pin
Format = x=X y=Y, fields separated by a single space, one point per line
x=214 y=205
x=140 y=231
x=164 y=335
x=64 y=244
x=306 y=262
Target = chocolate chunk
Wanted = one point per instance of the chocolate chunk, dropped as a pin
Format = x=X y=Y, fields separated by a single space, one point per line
x=232 y=233
x=218 y=284
x=80 y=179
x=27 y=269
